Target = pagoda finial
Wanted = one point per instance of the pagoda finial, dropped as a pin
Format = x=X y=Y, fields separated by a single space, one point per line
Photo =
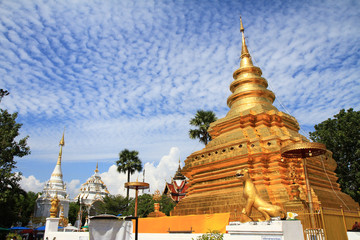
x=241 y=26
x=97 y=168
x=245 y=55
x=62 y=143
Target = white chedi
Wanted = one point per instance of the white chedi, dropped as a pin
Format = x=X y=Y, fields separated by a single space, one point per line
x=93 y=190
x=55 y=186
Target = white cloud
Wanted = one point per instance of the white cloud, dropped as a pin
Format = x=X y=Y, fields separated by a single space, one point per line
x=31 y=184
x=114 y=181
x=155 y=175
x=73 y=188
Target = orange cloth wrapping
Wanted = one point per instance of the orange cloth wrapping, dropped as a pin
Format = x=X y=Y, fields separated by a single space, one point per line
x=197 y=223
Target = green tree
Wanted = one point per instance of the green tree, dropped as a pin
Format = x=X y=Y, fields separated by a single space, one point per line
x=74 y=208
x=114 y=205
x=10 y=148
x=341 y=135
x=202 y=121
x=3 y=93
x=145 y=205
x=25 y=205
x=128 y=162
x=166 y=204
x=10 y=211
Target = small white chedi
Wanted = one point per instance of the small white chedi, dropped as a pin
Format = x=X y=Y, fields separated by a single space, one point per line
x=92 y=192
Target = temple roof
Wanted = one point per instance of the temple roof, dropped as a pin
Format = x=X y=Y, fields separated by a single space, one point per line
x=178 y=186
x=178 y=175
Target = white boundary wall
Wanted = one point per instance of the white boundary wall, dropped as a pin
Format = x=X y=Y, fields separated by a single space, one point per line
x=233 y=233
x=67 y=235
x=51 y=232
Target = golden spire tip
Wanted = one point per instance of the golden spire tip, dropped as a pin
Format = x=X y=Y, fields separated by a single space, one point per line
x=241 y=25
x=245 y=55
x=62 y=141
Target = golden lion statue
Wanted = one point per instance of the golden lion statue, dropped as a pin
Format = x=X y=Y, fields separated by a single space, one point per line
x=254 y=200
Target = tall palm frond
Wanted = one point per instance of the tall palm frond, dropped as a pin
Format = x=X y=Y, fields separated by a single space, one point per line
x=128 y=162
x=202 y=120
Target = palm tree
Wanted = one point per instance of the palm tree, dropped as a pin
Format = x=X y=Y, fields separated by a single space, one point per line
x=128 y=162
x=202 y=120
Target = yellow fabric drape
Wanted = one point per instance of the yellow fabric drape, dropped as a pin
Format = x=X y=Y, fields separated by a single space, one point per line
x=197 y=223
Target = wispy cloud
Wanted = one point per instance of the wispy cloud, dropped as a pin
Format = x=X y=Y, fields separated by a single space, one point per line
x=132 y=73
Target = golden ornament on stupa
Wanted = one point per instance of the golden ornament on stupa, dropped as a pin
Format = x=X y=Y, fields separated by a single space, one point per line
x=157 y=212
x=157 y=196
x=254 y=134
x=63 y=222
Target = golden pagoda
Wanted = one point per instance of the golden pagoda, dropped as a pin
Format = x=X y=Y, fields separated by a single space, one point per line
x=252 y=135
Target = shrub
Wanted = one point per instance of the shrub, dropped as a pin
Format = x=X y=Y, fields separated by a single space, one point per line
x=212 y=235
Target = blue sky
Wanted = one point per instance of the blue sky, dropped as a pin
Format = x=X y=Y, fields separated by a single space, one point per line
x=131 y=74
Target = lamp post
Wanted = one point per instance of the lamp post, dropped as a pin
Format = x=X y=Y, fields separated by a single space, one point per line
x=304 y=150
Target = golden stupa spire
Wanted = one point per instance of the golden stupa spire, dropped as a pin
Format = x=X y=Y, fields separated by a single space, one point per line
x=62 y=143
x=249 y=89
x=245 y=55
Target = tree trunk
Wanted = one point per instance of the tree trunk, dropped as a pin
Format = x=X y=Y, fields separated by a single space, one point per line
x=127 y=191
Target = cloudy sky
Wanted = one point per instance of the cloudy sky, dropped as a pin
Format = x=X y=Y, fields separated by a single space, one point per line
x=130 y=74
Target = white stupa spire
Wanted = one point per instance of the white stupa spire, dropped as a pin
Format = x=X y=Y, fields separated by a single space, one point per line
x=55 y=186
x=56 y=176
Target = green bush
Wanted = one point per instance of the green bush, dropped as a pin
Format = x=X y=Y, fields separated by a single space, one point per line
x=212 y=235
x=12 y=235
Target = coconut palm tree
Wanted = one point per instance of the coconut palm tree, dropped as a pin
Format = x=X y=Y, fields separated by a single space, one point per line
x=202 y=120
x=128 y=162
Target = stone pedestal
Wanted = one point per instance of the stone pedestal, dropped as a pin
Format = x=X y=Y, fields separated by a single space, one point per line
x=52 y=224
x=273 y=230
